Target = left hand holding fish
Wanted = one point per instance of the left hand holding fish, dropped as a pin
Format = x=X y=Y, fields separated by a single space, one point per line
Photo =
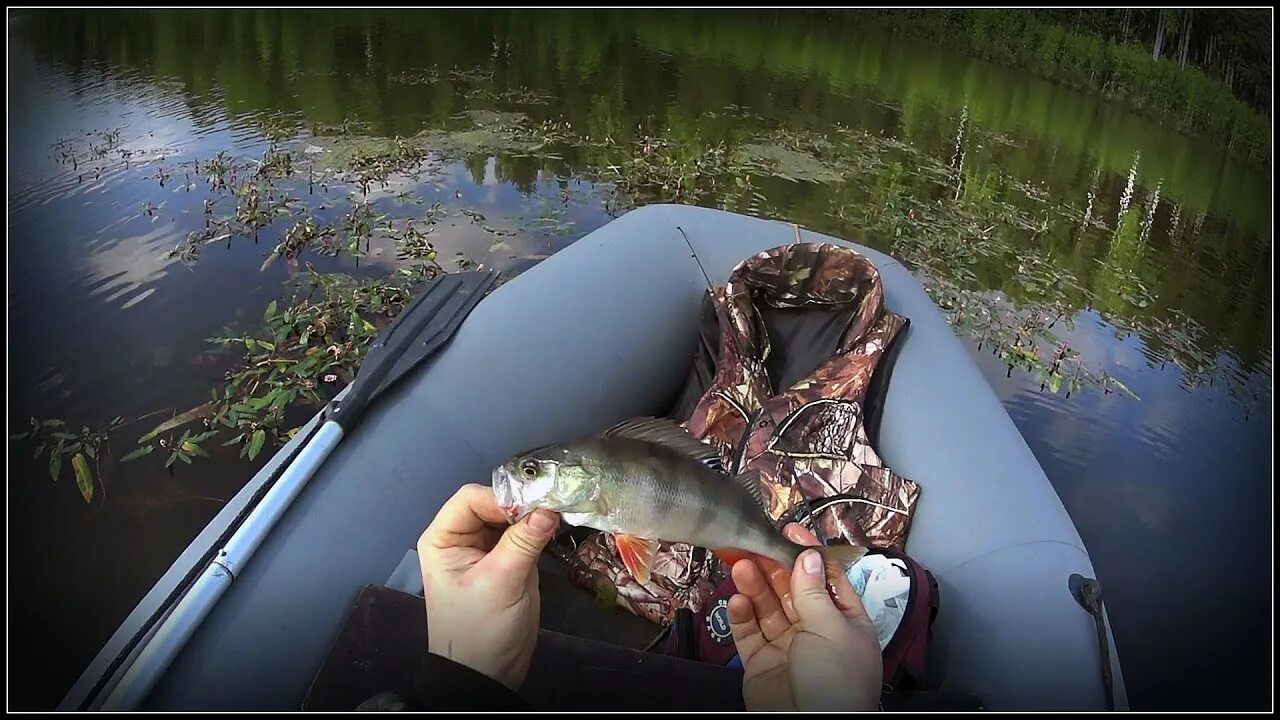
x=802 y=646
x=480 y=579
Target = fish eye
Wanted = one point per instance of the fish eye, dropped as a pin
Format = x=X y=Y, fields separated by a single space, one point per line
x=529 y=469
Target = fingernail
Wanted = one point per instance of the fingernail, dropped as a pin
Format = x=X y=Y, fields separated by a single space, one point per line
x=812 y=563
x=542 y=522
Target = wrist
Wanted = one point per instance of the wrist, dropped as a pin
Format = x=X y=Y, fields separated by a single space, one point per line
x=446 y=684
x=491 y=665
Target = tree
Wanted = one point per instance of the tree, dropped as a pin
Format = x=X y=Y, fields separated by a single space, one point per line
x=1155 y=53
x=1186 y=42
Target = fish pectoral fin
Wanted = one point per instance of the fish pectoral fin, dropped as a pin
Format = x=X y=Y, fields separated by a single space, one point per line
x=637 y=554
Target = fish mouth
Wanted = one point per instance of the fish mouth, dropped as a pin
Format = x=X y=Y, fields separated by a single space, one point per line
x=504 y=494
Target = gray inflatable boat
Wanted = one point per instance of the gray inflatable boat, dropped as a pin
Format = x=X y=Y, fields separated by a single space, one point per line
x=600 y=332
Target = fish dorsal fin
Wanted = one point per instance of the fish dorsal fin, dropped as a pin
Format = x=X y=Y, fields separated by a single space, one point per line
x=750 y=481
x=669 y=434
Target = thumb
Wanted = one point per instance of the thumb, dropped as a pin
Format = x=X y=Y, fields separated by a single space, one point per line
x=813 y=603
x=517 y=550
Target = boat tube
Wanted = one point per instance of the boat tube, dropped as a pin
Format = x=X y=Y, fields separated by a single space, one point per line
x=599 y=332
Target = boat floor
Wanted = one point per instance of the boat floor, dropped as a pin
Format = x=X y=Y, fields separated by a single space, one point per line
x=587 y=657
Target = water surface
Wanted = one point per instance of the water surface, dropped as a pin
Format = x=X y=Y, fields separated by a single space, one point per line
x=1171 y=493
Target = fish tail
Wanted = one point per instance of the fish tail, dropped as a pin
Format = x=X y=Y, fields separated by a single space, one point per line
x=839 y=558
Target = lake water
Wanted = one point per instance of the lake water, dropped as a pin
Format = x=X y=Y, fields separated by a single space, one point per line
x=1155 y=248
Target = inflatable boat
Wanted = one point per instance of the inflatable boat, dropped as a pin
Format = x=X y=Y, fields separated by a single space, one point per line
x=599 y=332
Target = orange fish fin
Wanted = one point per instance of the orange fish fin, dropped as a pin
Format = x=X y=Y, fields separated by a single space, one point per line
x=637 y=555
x=837 y=559
x=730 y=556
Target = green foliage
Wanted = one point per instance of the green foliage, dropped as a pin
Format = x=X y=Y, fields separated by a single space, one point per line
x=1185 y=98
x=1009 y=263
x=53 y=438
x=303 y=354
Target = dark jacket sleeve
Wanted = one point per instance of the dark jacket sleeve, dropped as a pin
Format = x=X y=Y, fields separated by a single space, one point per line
x=443 y=684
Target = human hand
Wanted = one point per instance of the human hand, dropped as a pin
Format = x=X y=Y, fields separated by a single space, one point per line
x=803 y=646
x=480 y=579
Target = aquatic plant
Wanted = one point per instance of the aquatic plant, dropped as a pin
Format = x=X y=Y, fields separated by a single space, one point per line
x=948 y=221
x=304 y=353
x=53 y=437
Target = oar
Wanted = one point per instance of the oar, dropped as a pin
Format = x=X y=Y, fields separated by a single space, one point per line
x=416 y=334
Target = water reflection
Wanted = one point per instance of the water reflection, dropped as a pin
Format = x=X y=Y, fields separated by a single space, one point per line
x=1157 y=245
x=129 y=265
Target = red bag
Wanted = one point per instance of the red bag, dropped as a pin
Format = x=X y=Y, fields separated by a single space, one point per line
x=904 y=656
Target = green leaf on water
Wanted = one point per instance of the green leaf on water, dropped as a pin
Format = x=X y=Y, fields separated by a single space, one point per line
x=195 y=413
x=144 y=450
x=267 y=345
x=55 y=464
x=271 y=311
x=1055 y=383
x=257 y=403
x=84 y=477
x=255 y=445
x=282 y=397
x=190 y=448
x=1124 y=389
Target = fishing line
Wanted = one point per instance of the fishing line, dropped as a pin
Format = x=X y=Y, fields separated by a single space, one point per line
x=817 y=526
x=711 y=291
x=710 y=288
x=810 y=514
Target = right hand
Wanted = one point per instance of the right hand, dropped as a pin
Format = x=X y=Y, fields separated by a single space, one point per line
x=480 y=579
x=801 y=648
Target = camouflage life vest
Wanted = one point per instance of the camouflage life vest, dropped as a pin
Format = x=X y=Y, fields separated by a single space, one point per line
x=808 y=318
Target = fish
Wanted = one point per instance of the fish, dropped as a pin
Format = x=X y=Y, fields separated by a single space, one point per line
x=648 y=480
